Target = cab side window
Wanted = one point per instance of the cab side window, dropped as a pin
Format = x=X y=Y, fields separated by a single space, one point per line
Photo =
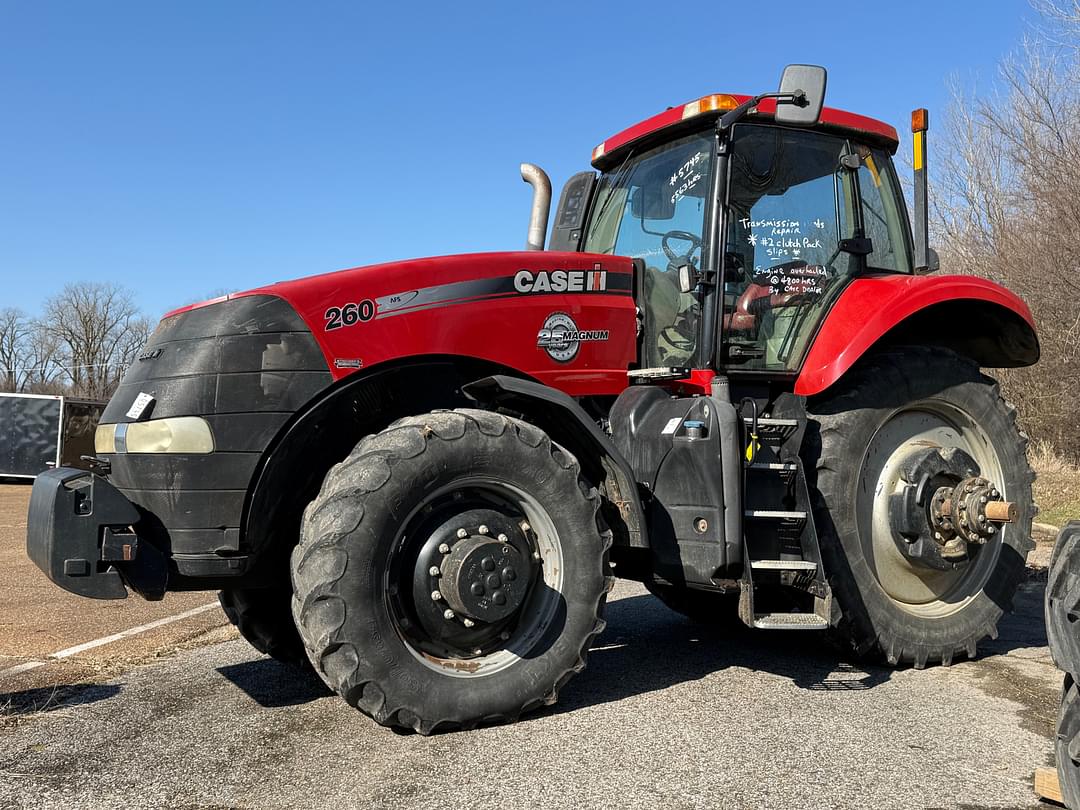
x=881 y=214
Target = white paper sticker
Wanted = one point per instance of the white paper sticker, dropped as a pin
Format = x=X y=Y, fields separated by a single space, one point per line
x=139 y=406
x=671 y=426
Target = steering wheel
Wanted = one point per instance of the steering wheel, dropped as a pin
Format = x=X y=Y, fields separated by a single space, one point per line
x=683 y=236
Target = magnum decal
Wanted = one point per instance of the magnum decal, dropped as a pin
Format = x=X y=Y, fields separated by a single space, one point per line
x=561 y=338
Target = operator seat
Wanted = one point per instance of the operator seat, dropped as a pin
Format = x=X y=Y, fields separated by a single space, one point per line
x=671 y=318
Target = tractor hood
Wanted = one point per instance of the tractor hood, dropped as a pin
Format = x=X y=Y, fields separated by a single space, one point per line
x=491 y=306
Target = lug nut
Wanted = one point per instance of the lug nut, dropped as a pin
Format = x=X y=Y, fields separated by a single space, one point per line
x=525 y=527
x=434 y=570
x=448 y=614
x=468 y=622
x=505 y=635
x=483 y=529
x=462 y=534
x=503 y=538
x=444 y=548
x=435 y=596
x=536 y=556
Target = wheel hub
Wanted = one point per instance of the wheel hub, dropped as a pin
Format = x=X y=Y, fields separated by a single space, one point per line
x=484 y=579
x=944 y=507
x=471 y=577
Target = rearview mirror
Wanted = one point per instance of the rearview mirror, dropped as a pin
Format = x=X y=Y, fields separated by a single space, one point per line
x=933 y=263
x=805 y=85
x=688 y=278
x=648 y=202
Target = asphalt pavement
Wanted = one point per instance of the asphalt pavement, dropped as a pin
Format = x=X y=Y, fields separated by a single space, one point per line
x=667 y=714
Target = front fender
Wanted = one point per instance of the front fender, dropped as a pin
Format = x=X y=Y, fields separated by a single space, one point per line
x=973 y=316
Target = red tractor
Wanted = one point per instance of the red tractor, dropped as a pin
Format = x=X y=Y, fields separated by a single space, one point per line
x=732 y=377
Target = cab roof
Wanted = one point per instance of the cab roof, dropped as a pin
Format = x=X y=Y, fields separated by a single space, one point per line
x=877 y=132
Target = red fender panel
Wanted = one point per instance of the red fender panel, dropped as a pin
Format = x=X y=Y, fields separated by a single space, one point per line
x=971 y=315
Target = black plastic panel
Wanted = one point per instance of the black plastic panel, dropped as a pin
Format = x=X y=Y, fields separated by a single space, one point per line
x=245 y=315
x=274 y=351
x=219 y=393
x=183 y=472
x=246 y=366
x=245 y=432
x=186 y=509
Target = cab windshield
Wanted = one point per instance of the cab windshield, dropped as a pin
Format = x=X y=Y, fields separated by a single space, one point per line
x=653 y=208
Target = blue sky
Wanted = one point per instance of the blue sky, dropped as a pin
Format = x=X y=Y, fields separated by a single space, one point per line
x=183 y=148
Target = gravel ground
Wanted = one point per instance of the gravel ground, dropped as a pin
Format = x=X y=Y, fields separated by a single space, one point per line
x=666 y=714
x=37 y=618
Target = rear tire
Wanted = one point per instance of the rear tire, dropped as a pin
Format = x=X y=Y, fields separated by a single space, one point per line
x=891 y=401
x=372 y=576
x=264 y=619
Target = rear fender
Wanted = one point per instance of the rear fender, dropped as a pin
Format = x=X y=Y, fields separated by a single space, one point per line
x=972 y=316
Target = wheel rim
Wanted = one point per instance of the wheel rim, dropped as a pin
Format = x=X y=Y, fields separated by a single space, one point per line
x=912 y=429
x=447 y=644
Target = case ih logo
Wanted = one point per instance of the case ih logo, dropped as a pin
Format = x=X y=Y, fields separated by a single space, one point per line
x=561 y=338
x=527 y=281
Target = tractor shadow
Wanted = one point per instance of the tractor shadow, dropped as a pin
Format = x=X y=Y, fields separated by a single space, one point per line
x=53 y=698
x=647 y=647
x=274 y=684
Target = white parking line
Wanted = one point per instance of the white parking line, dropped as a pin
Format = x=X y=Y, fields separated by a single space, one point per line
x=89 y=645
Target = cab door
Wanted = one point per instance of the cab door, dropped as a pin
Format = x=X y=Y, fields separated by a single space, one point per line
x=806 y=212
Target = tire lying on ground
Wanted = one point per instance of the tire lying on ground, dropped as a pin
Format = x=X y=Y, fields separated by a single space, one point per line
x=451 y=572
x=1063 y=600
x=894 y=403
x=264 y=619
x=1067 y=744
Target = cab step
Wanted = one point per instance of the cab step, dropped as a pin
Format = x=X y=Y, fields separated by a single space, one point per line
x=773 y=430
x=790 y=621
x=773 y=514
x=784 y=565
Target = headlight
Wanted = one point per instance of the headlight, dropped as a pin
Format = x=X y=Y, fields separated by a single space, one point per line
x=181 y=434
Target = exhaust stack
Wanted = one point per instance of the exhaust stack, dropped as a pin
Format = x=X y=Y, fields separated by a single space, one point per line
x=541 y=205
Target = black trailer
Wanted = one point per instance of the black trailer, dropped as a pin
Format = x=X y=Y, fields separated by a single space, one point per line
x=38 y=431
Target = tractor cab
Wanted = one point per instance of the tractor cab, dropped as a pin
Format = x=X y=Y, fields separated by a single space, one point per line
x=798 y=210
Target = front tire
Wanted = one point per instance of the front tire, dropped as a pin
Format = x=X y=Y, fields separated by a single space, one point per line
x=264 y=618
x=397 y=550
x=894 y=403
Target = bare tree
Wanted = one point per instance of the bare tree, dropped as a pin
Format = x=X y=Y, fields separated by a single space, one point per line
x=98 y=331
x=14 y=331
x=1007 y=202
x=42 y=372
